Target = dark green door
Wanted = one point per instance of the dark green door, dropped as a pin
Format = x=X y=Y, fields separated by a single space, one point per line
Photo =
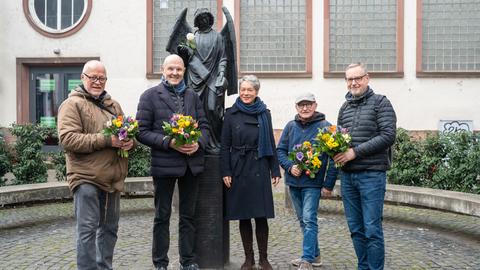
x=49 y=87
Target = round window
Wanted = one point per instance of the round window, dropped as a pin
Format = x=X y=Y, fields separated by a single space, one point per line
x=57 y=18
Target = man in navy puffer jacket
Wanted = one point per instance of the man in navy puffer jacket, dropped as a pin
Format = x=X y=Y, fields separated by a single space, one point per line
x=371 y=121
x=305 y=192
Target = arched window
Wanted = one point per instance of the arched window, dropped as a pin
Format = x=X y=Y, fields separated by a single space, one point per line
x=57 y=18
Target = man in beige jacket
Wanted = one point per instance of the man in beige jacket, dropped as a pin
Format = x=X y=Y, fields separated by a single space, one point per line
x=95 y=173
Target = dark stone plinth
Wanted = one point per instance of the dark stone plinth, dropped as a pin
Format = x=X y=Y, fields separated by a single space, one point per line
x=212 y=232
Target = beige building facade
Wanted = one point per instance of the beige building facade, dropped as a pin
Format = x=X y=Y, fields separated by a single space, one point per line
x=429 y=71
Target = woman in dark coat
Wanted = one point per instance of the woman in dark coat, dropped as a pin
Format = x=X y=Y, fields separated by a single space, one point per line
x=249 y=167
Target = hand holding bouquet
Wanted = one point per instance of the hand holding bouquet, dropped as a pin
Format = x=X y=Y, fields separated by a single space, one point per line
x=333 y=140
x=183 y=128
x=124 y=127
x=306 y=158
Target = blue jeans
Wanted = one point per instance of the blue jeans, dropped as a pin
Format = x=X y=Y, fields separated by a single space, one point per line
x=305 y=200
x=97 y=213
x=363 y=195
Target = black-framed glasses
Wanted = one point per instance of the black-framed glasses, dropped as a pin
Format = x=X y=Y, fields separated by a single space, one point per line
x=95 y=78
x=308 y=105
x=357 y=79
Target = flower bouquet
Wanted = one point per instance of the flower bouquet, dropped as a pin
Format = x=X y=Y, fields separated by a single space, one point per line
x=183 y=128
x=333 y=140
x=125 y=127
x=305 y=156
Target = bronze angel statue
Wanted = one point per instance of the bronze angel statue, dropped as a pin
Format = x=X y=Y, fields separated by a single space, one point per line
x=210 y=59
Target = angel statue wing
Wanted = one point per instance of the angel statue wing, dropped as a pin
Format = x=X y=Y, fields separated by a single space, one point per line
x=230 y=42
x=179 y=32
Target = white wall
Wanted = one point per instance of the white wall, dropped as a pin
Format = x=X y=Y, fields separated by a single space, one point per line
x=116 y=32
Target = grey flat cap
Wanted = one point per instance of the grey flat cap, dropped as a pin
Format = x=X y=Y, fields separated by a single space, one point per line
x=305 y=97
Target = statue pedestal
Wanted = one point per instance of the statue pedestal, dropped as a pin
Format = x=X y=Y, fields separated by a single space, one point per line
x=212 y=242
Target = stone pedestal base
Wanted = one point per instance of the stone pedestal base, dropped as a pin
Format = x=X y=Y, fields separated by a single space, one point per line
x=212 y=245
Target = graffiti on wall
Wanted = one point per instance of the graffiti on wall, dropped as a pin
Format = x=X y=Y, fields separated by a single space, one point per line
x=450 y=126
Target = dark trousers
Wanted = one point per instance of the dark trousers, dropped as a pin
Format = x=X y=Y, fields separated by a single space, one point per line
x=188 y=190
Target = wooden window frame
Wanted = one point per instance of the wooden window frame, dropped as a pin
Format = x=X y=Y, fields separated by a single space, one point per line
x=434 y=74
x=399 y=73
x=308 y=64
x=23 y=66
x=45 y=33
x=152 y=74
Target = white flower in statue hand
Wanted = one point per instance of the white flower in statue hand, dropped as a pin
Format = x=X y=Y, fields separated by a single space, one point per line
x=190 y=37
x=191 y=41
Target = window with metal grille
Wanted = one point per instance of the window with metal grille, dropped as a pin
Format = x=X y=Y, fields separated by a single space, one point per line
x=165 y=13
x=450 y=36
x=275 y=36
x=365 y=31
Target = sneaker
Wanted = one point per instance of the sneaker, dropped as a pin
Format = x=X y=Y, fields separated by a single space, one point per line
x=304 y=265
x=316 y=263
x=160 y=268
x=193 y=266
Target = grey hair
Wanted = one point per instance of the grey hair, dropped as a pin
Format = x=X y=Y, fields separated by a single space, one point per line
x=91 y=64
x=251 y=79
x=358 y=64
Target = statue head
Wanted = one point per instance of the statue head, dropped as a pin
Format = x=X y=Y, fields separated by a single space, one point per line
x=203 y=19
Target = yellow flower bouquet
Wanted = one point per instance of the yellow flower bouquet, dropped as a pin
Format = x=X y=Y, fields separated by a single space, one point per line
x=333 y=140
x=183 y=128
x=125 y=127
x=305 y=156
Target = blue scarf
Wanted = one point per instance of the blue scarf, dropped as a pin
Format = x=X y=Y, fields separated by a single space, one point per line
x=179 y=89
x=259 y=109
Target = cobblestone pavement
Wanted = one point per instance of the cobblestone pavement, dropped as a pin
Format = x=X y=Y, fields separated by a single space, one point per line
x=42 y=237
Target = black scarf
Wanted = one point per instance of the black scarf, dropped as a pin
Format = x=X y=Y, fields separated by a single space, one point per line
x=259 y=109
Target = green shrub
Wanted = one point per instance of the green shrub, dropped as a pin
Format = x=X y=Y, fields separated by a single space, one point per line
x=460 y=167
x=29 y=166
x=450 y=162
x=59 y=163
x=139 y=161
x=4 y=160
x=406 y=158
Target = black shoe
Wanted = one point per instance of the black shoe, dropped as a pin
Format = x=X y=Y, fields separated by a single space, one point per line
x=192 y=266
x=161 y=268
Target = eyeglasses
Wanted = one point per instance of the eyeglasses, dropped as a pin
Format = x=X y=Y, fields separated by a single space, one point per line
x=95 y=78
x=305 y=105
x=357 y=79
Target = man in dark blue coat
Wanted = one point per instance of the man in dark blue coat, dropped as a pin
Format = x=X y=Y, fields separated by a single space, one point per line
x=371 y=122
x=305 y=192
x=171 y=162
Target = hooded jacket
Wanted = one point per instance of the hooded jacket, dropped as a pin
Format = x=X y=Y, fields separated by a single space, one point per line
x=90 y=157
x=296 y=132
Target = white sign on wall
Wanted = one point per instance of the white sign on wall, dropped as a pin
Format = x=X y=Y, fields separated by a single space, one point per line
x=449 y=126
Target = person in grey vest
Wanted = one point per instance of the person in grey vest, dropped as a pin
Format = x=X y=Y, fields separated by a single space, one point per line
x=371 y=122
